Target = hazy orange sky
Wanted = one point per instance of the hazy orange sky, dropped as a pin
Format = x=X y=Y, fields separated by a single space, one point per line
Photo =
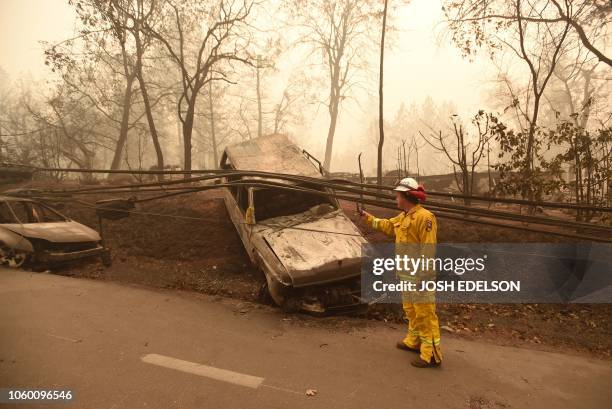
x=416 y=67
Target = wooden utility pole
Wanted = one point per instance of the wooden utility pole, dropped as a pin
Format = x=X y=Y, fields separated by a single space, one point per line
x=213 y=134
x=259 y=113
x=381 y=139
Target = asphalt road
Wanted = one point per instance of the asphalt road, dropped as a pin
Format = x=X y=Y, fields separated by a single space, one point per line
x=119 y=346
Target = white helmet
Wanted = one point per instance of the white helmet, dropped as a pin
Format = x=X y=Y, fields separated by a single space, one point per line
x=407 y=184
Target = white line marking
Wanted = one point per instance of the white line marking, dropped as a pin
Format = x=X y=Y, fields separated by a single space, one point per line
x=76 y=341
x=204 y=370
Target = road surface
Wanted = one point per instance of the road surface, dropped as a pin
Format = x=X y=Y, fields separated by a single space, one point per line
x=119 y=346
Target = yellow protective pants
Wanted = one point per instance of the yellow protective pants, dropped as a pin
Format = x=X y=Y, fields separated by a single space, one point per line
x=423 y=329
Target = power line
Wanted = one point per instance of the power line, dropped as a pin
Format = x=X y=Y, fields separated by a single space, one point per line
x=559 y=205
x=267 y=183
x=454 y=214
x=326 y=188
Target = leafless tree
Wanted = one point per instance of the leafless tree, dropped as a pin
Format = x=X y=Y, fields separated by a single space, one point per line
x=587 y=18
x=341 y=32
x=141 y=17
x=465 y=155
x=201 y=58
x=581 y=83
x=216 y=124
x=109 y=35
x=541 y=66
x=525 y=28
x=293 y=103
x=99 y=41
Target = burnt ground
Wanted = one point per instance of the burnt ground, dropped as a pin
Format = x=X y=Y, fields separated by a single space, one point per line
x=197 y=249
x=184 y=242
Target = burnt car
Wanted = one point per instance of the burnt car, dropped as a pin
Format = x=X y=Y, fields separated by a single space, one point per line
x=33 y=233
x=307 y=248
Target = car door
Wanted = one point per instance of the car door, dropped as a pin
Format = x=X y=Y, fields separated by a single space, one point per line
x=237 y=201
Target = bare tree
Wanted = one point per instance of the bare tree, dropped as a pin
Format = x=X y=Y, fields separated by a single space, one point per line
x=216 y=124
x=68 y=127
x=110 y=34
x=581 y=86
x=538 y=81
x=596 y=11
x=535 y=39
x=292 y=105
x=465 y=155
x=340 y=31
x=587 y=18
x=201 y=59
x=141 y=18
x=256 y=106
x=102 y=50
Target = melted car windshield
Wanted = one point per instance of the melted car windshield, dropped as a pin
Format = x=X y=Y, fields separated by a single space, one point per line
x=28 y=212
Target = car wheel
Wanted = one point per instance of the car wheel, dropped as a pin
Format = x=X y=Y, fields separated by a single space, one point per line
x=290 y=305
x=264 y=296
x=13 y=258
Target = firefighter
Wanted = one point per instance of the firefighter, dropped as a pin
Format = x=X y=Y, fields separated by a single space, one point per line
x=414 y=228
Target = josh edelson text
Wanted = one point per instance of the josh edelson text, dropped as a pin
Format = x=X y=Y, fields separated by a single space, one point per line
x=418 y=274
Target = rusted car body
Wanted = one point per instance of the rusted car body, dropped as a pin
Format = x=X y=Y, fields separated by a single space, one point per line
x=308 y=249
x=34 y=233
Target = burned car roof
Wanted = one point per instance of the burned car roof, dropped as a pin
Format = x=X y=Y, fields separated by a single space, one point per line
x=271 y=153
x=48 y=225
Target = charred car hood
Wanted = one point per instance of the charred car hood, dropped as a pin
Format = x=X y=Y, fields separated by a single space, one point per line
x=315 y=250
x=57 y=232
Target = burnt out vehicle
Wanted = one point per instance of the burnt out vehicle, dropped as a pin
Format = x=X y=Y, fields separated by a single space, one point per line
x=308 y=249
x=33 y=233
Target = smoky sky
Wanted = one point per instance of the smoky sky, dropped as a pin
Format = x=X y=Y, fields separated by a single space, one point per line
x=419 y=63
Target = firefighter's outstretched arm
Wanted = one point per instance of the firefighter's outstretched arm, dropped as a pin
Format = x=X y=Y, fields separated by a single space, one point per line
x=383 y=225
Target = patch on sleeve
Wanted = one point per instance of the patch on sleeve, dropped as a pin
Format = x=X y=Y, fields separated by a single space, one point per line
x=428 y=225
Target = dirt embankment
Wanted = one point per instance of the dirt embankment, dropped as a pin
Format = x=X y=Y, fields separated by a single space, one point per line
x=185 y=242
x=188 y=242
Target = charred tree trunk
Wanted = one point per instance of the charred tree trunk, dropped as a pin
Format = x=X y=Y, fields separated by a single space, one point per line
x=125 y=122
x=333 y=113
x=187 y=132
x=147 y=102
x=151 y=121
x=528 y=166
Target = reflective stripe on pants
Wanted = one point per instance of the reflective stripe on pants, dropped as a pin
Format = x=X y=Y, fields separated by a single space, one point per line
x=423 y=329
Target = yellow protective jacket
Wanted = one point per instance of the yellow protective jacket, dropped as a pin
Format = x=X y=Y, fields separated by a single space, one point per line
x=415 y=226
x=415 y=235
